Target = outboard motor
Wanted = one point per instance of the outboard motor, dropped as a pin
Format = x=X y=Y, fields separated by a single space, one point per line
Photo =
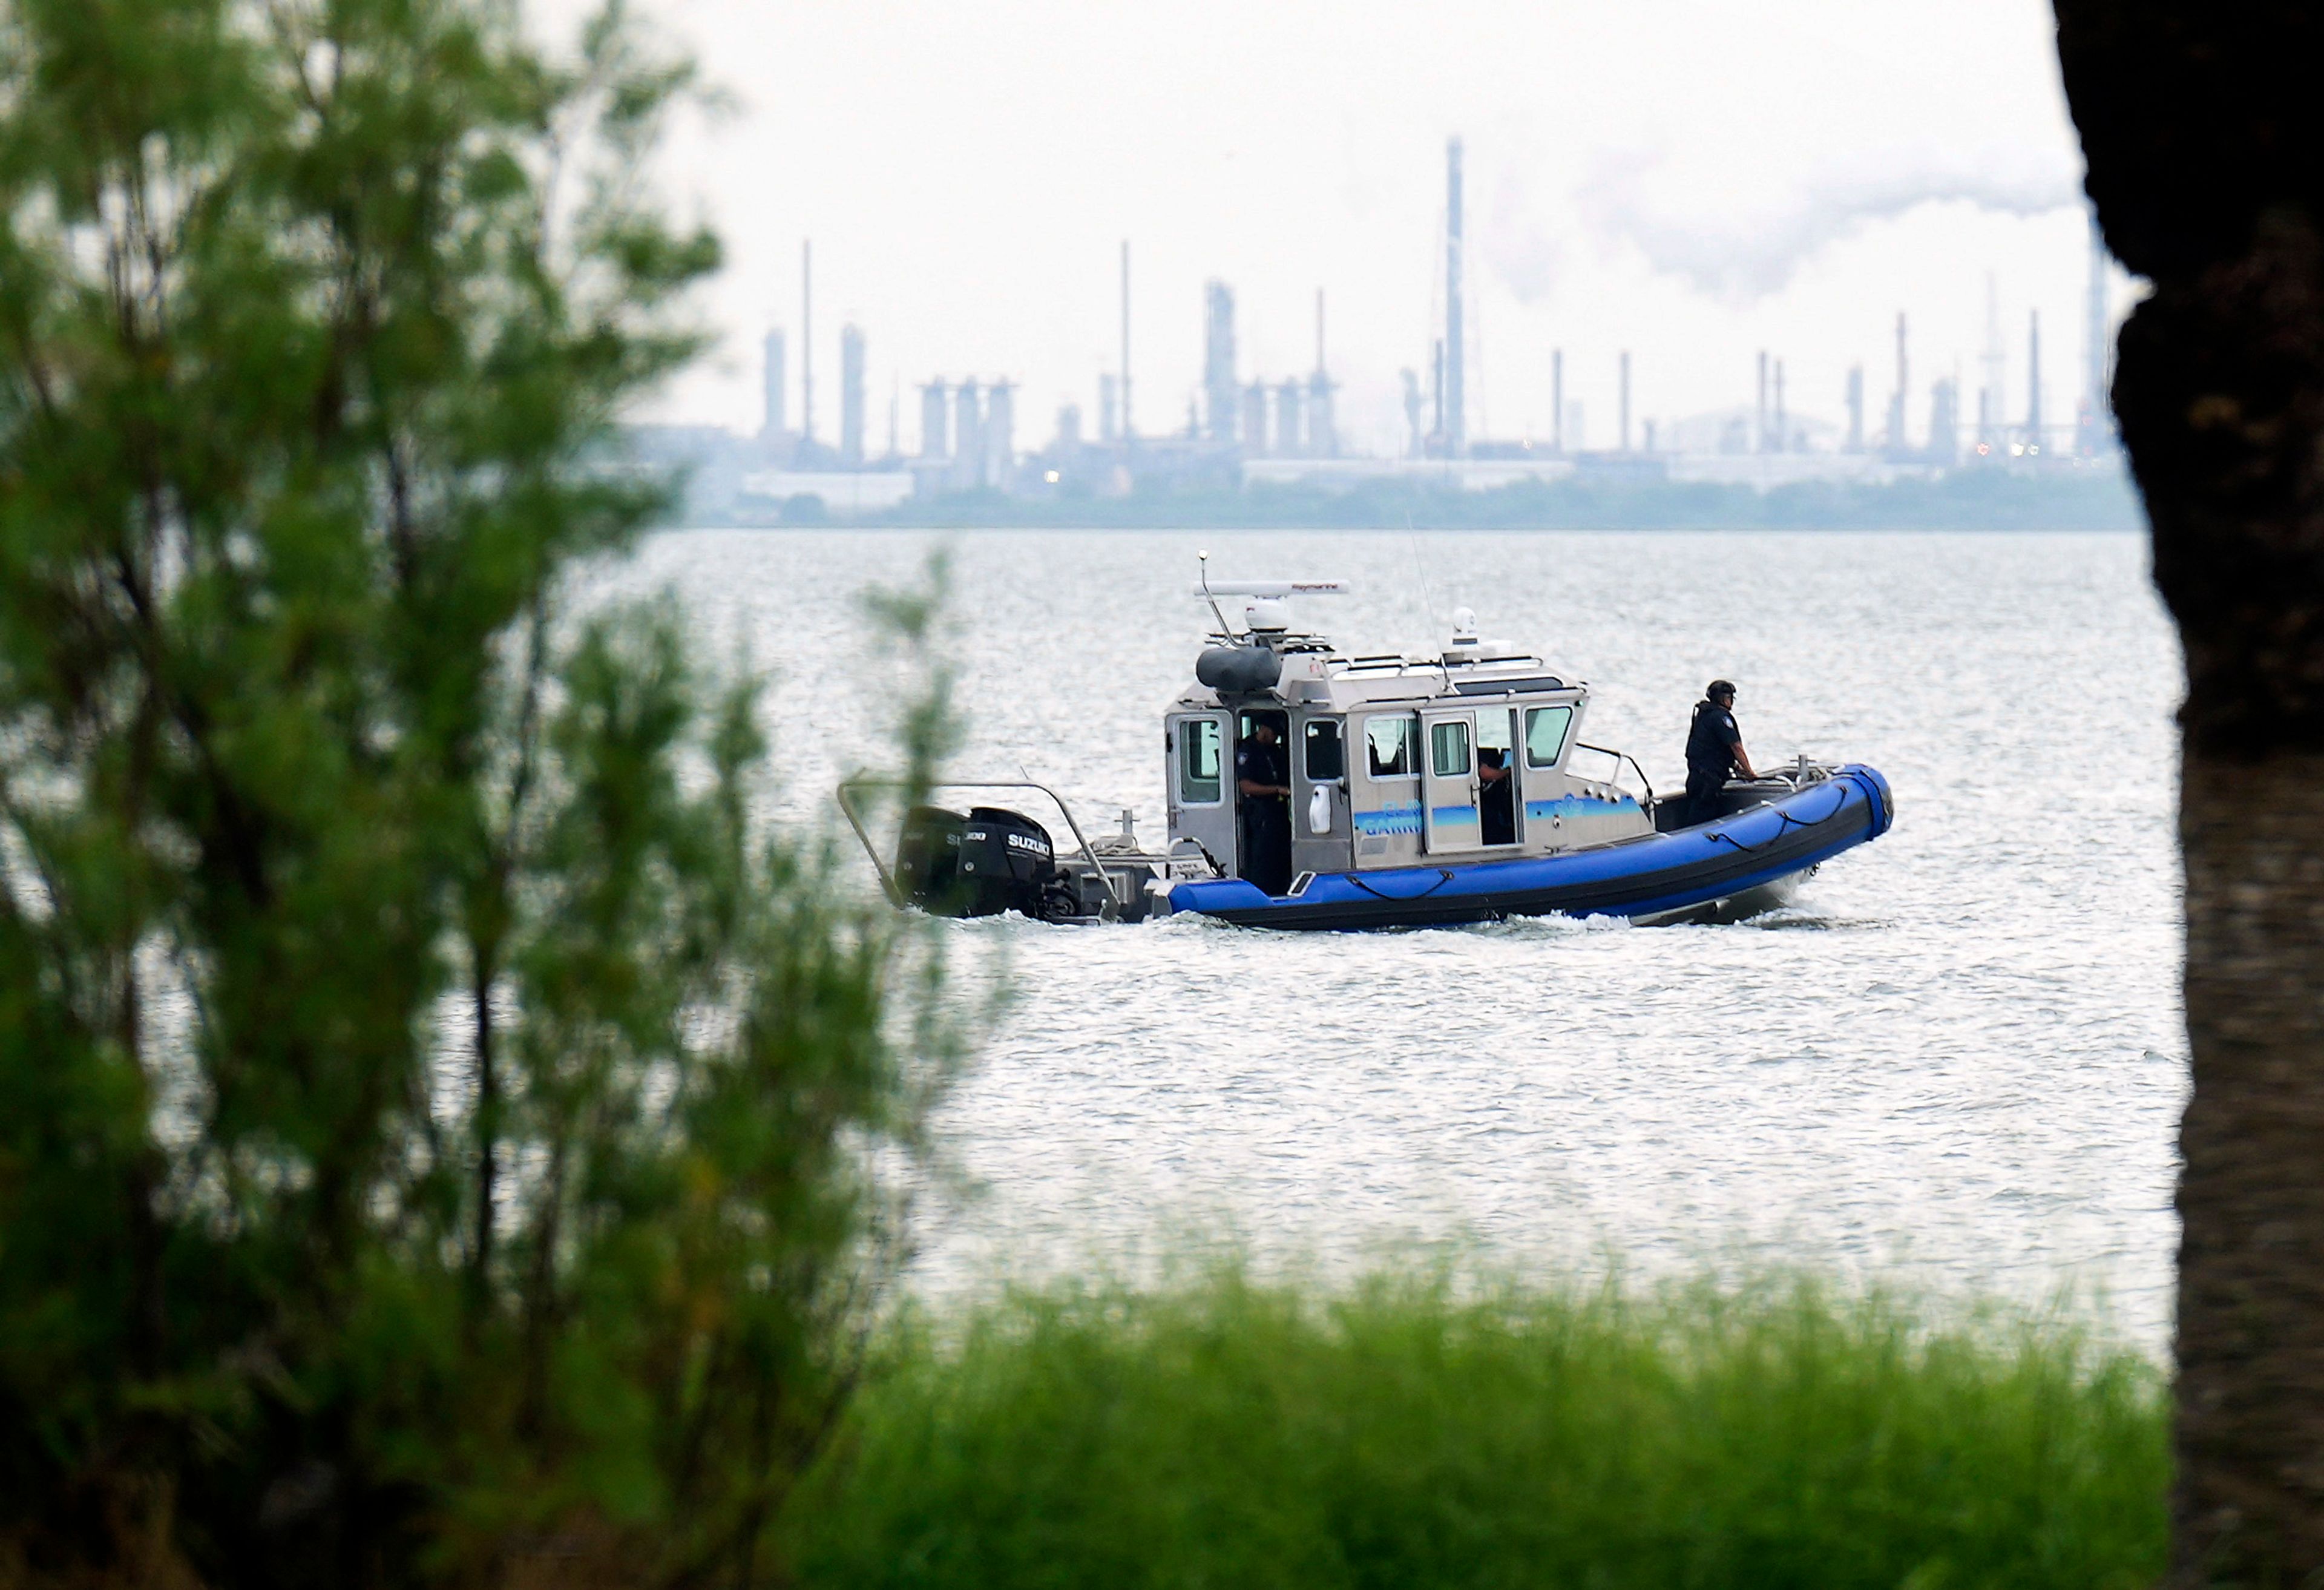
x=928 y=861
x=1008 y=864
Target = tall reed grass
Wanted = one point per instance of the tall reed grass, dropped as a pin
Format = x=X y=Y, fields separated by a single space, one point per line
x=1412 y=1433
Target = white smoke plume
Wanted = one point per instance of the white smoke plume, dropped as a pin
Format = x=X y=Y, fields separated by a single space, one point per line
x=1743 y=257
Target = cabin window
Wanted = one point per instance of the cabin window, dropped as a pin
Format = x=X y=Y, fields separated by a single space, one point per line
x=1497 y=730
x=1200 y=782
x=1448 y=747
x=1545 y=731
x=1389 y=747
x=1324 y=758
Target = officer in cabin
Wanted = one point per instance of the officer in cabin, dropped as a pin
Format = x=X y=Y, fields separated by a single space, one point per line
x=1714 y=752
x=1497 y=797
x=1264 y=781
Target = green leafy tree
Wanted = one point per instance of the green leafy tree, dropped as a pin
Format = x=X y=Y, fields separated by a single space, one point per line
x=436 y=1121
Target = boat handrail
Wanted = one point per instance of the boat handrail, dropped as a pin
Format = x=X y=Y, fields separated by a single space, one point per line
x=888 y=883
x=1620 y=757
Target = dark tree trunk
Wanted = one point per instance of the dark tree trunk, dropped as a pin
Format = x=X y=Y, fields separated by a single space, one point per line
x=2201 y=121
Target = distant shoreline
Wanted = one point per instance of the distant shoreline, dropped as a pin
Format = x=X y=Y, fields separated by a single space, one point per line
x=2092 y=499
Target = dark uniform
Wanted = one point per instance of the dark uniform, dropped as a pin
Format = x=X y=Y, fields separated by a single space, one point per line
x=1266 y=818
x=1498 y=803
x=1709 y=758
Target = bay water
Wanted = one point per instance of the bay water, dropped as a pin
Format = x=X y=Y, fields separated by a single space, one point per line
x=1955 y=1063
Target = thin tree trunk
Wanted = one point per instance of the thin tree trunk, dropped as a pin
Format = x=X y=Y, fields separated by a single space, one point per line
x=2200 y=122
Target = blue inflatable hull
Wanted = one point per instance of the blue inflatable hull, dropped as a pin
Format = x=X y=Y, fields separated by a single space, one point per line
x=1654 y=875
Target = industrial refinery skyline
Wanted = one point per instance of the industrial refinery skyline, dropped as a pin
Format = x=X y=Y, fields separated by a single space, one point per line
x=1243 y=426
x=1690 y=187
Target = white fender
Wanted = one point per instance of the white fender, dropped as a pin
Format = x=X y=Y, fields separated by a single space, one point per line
x=1319 y=810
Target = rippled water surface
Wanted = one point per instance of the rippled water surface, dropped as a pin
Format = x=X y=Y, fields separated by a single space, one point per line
x=1957 y=1059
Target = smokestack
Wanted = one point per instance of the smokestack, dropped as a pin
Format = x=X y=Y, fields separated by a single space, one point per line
x=1127 y=432
x=1220 y=390
x=1897 y=443
x=1000 y=435
x=1759 y=435
x=806 y=341
x=1456 y=424
x=1782 y=425
x=772 y=429
x=1254 y=421
x=1557 y=399
x=2034 y=381
x=933 y=427
x=1625 y=400
x=1291 y=437
x=1944 y=421
x=1322 y=435
x=850 y=395
x=967 y=437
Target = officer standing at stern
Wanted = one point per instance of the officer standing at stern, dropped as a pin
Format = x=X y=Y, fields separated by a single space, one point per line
x=1264 y=782
x=1714 y=752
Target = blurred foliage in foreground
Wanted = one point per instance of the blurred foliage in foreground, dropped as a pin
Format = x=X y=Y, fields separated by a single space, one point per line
x=1406 y=1436
x=435 y=1121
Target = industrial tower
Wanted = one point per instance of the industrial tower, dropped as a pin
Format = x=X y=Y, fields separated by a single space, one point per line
x=1322 y=433
x=770 y=430
x=1456 y=416
x=850 y=395
x=1219 y=392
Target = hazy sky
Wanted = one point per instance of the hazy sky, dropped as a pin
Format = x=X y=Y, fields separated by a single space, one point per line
x=1688 y=180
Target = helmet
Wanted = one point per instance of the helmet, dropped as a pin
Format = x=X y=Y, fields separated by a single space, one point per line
x=1718 y=688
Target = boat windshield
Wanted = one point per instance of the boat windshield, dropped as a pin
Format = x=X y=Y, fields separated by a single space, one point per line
x=1545 y=730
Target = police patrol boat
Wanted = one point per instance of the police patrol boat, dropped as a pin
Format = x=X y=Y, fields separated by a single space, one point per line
x=1422 y=791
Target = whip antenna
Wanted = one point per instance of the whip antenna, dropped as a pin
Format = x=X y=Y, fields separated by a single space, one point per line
x=1204 y=560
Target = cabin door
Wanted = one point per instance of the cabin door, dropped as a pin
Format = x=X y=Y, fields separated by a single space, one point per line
x=1202 y=784
x=1500 y=814
x=1448 y=796
x=1545 y=735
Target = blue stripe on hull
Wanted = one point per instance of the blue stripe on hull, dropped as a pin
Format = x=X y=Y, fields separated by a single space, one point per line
x=1644 y=877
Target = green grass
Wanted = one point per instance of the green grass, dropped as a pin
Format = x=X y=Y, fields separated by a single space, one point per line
x=1412 y=1434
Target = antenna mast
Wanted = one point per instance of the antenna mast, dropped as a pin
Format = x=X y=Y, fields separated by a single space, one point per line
x=1126 y=430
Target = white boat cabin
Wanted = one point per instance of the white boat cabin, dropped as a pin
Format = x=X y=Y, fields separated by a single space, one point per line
x=1472 y=755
